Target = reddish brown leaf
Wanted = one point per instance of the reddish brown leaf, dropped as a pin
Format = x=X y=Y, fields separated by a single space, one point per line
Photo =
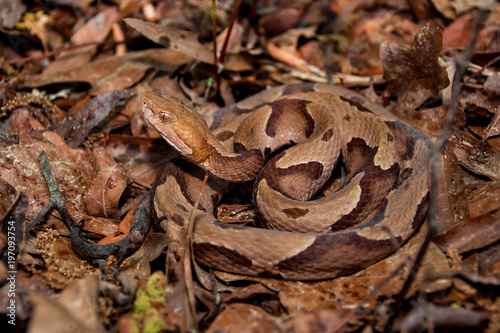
x=71 y=168
x=104 y=193
x=485 y=199
x=472 y=233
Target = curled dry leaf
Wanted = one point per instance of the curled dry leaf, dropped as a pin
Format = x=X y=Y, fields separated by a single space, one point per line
x=284 y=47
x=413 y=73
x=282 y=20
x=103 y=196
x=457 y=34
x=9 y=195
x=138 y=265
x=492 y=88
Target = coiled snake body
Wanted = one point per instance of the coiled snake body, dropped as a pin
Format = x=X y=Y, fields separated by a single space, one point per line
x=380 y=202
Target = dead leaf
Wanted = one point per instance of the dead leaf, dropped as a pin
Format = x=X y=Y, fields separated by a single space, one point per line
x=472 y=233
x=451 y=196
x=475 y=154
x=284 y=47
x=96 y=73
x=71 y=168
x=282 y=20
x=77 y=308
x=94 y=31
x=485 y=199
x=187 y=43
x=10 y=13
x=76 y=126
x=103 y=195
x=240 y=317
x=413 y=73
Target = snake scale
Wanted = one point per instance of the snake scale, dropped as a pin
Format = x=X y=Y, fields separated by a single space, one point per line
x=377 y=204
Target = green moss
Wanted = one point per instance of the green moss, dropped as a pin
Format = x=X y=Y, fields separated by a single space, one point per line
x=153 y=323
x=156 y=287
x=142 y=302
x=146 y=316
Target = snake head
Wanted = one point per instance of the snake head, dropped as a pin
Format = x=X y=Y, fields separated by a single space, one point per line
x=183 y=129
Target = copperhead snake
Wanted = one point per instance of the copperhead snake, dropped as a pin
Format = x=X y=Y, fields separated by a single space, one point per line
x=382 y=198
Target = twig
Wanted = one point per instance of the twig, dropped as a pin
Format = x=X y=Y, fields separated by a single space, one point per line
x=219 y=57
x=462 y=61
x=188 y=258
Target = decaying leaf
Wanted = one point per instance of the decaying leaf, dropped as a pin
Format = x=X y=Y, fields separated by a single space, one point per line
x=413 y=73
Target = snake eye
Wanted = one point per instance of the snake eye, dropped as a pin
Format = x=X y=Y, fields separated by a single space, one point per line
x=165 y=117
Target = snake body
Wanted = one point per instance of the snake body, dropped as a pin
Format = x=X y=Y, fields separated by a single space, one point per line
x=377 y=206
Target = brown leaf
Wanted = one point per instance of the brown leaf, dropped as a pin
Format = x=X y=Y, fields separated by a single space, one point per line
x=485 y=199
x=492 y=88
x=451 y=197
x=413 y=73
x=475 y=154
x=138 y=265
x=321 y=320
x=472 y=233
x=10 y=13
x=94 y=31
x=457 y=33
x=241 y=317
x=77 y=307
x=75 y=127
x=284 y=47
x=187 y=43
x=72 y=169
x=280 y=21
x=8 y=194
x=117 y=68
x=103 y=196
